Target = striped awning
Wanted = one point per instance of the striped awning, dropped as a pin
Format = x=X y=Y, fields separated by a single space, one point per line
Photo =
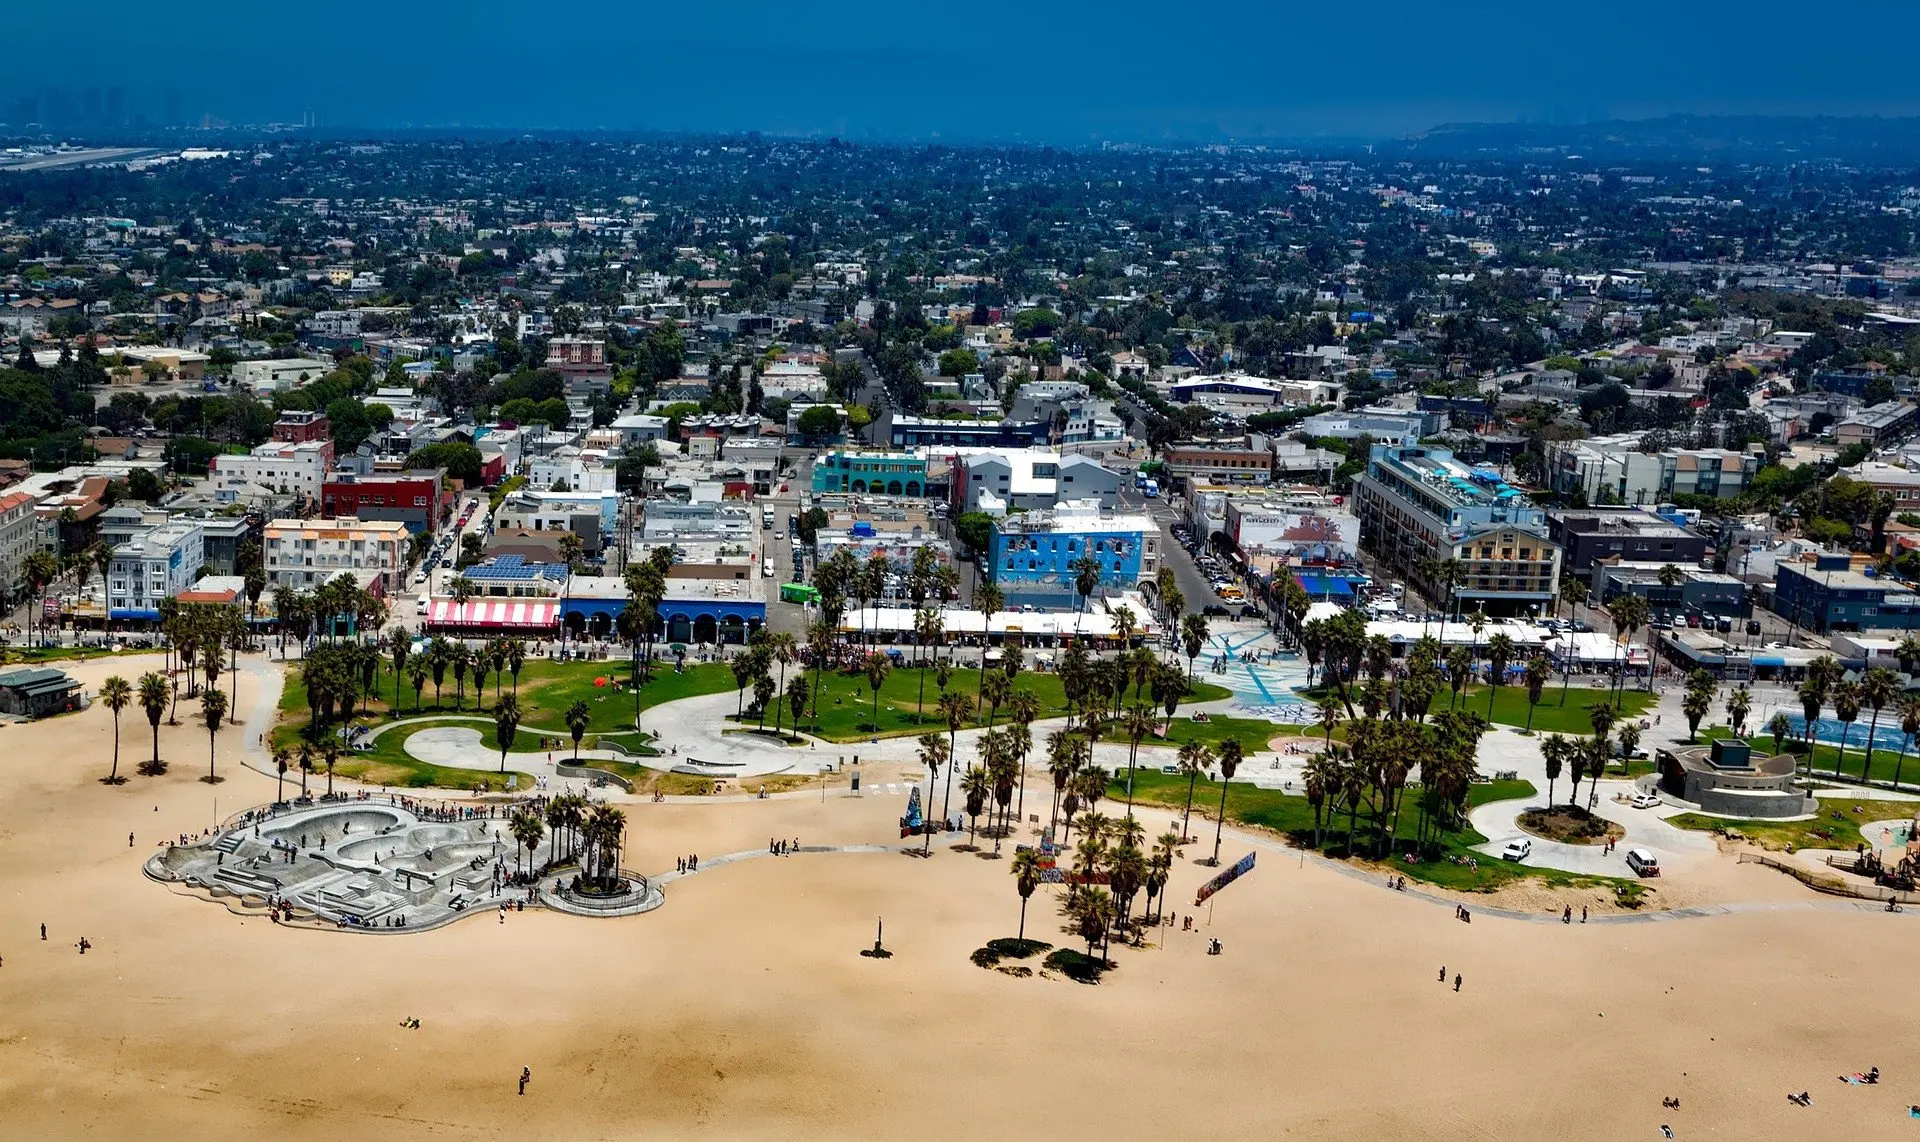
x=496 y=614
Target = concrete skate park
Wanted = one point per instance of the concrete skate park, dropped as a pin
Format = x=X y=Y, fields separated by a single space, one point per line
x=367 y=865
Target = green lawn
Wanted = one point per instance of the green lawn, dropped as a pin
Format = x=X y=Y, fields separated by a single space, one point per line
x=1292 y=816
x=389 y=764
x=1837 y=817
x=846 y=702
x=546 y=690
x=1252 y=734
x=1887 y=763
x=1552 y=715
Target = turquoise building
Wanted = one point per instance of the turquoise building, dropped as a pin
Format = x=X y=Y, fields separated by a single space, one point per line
x=874 y=473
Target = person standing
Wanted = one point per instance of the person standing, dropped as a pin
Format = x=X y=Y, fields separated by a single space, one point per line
x=526 y=1076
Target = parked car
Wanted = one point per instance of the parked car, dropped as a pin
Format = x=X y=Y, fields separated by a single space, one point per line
x=1251 y=612
x=1645 y=801
x=1517 y=850
x=1215 y=610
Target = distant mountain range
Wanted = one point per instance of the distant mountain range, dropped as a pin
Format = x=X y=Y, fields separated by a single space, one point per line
x=1680 y=138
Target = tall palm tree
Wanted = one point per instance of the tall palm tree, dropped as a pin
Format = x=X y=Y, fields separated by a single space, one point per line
x=579 y=716
x=784 y=649
x=1194 y=758
x=975 y=787
x=1500 y=651
x=1063 y=761
x=115 y=695
x=1553 y=750
x=988 y=600
x=213 y=710
x=1138 y=724
x=1026 y=878
x=1322 y=778
x=957 y=709
x=154 y=693
x=1847 y=701
x=1229 y=755
x=527 y=829
x=933 y=754
x=1878 y=687
x=1022 y=709
x=506 y=725
x=1909 y=726
x=878 y=666
x=280 y=756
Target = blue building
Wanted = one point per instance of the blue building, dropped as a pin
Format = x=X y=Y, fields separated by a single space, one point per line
x=1828 y=594
x=877 y=473
x=1032 y=554
x=694 y=610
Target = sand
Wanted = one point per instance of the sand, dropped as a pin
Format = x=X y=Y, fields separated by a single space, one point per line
x=741 y=1008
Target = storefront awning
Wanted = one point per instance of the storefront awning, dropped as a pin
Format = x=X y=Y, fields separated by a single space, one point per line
x=496 y=614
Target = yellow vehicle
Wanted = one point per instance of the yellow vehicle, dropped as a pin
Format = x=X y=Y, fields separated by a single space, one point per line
x=1231 y=594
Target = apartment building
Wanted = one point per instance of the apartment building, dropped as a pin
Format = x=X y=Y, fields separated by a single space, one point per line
x=291 y=469
x=1613 y=470
x=1418 y=505
x=1033 y=556
x=303 y=553
x=155 y=564
x=19 y=537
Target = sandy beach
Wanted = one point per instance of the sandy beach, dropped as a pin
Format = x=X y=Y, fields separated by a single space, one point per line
x=742 y=1009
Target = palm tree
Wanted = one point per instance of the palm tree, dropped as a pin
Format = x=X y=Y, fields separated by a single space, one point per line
x=1739 y=702
x=988 y=600
x=957 y=709
x=784 y=651
x=329 y=754
x=933 y=754
x=213 y=710
x=153 y=701
x=115 y=695
x=1909 y=726
x=878 y=666
x=1878 y=687
x=280 y=756
x=1695 y=705
x=1553 y=750
x=1322 y=777
x=527 y=829
x=1846 y=707
x=1022 y=709
x=417 y=678
x=506 y=725
x=516 y=658
x=1536 y=684
x=1500 y=650
x=1193 y=639
x=1026 y=878
x=975 y=788
x=1228 y=755
x=1194 y=757
x=579 y=716
x=1329 y=717
x=1063 y=761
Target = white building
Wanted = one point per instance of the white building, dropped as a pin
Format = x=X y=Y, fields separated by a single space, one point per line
x=275 y=376
x=19 y=537
x=304 y=553
x=294 y=469
x=155 y=564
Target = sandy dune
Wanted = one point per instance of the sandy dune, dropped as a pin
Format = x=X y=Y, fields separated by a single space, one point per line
x=741 y=1008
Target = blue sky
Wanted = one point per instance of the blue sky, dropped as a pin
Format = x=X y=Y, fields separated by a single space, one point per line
x=1055 y=72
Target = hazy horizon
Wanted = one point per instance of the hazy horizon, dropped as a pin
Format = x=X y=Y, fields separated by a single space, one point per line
x=1057 y=75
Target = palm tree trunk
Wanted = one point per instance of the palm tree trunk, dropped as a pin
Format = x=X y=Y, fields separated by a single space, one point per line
x=1866 y=769
x=114 y=777
x=1219 y=826
x=1023 y=919
x=1187 y=814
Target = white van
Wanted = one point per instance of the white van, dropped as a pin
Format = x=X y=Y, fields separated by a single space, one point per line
x=1643 y=863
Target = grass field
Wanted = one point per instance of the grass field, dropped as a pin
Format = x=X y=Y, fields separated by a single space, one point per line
x=546 y=690
x=1838 y=817
x=1252 y=734
x=1292 y=817
x=1551 y=715
x=846 y=702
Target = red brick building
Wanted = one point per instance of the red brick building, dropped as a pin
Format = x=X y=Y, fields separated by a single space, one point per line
x=297 y=426
x=420 y=498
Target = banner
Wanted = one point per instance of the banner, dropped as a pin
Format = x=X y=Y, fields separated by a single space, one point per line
x=1239 y=869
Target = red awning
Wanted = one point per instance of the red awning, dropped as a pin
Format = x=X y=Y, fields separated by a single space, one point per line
x=496 y=614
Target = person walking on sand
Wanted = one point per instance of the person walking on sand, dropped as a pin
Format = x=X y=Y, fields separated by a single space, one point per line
x=1583 y=913
x=1456 y=981
x=43 y=932
x=526 y=1076
x=1443 y=973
